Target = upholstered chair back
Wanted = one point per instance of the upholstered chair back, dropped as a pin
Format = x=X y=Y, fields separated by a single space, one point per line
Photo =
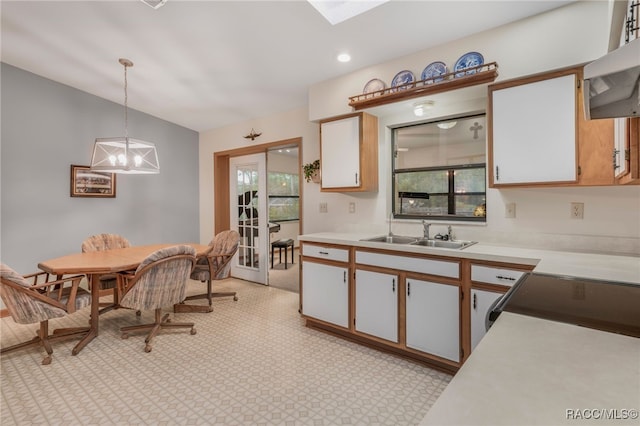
x=102 y=242
x=23 y=308
x=161 y=279
x=223 y=246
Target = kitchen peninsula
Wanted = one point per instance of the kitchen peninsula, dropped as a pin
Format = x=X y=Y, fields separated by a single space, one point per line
x=535 y=371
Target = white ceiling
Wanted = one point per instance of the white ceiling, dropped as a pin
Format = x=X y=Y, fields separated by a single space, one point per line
x=207 y=64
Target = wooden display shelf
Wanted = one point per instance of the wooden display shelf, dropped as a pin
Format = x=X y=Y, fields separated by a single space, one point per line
x=485 y=73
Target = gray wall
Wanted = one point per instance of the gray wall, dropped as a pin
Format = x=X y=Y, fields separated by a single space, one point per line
x=46 y=127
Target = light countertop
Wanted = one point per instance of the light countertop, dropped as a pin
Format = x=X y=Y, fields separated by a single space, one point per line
x=583 y=265
x=530 y=371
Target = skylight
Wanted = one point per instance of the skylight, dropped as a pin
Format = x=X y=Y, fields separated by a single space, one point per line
x=338 y=11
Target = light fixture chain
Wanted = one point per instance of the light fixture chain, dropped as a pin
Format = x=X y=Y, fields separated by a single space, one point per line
x=126 y=114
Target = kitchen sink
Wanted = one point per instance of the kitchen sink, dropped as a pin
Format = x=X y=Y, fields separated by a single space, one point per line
x=456 y=244
x=400 y=239
x=393 y=239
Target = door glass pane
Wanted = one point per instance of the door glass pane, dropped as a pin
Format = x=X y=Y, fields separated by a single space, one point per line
x=247 y=208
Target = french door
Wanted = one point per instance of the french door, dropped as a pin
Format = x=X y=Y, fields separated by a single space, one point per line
x=248 y=201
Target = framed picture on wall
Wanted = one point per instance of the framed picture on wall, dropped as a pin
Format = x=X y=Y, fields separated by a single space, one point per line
x=87 y=183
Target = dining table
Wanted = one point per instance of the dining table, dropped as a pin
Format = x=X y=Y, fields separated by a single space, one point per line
x=97 y=263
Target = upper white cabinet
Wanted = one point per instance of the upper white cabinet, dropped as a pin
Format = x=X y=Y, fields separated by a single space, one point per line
x=538 y=135
x=533 y=130
x=349 y=153
x=627 y=150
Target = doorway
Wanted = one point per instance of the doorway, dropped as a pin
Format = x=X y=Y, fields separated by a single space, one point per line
x=225 y=210
x=247 y=184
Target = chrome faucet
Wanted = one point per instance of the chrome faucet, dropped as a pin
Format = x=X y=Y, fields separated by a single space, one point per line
x=390 y=219
x=425 y=228
x=449 y=235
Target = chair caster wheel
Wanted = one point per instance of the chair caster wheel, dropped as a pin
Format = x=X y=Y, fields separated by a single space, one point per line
x=138 y=313
x=46 y=360
x=235 y=298
x=168 y=320
x=147 y=348
x=193 y=331
x=124 y=336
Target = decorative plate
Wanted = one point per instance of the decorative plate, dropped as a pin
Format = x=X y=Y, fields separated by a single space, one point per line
x=402 y=78
x=432 y=70
x=374 y=85
x=468 y=60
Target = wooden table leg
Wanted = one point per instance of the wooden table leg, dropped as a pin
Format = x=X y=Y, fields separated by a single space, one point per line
x=93 y=321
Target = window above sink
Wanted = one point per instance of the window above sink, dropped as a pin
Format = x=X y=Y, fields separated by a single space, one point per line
x=439 y=169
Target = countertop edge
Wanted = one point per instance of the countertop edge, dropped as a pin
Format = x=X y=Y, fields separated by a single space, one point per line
x=583 y=265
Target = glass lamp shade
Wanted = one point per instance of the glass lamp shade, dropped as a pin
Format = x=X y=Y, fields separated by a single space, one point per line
x=124 y=155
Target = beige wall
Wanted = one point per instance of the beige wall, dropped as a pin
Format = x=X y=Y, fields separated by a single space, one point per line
x=574 y=34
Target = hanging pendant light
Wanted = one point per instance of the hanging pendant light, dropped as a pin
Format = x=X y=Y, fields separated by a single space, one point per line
x=125 y=154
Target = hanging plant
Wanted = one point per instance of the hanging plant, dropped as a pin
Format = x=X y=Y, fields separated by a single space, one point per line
x=312 y=171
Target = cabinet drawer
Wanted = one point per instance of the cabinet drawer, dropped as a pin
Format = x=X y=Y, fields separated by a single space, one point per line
x=322 y=252
x=413 y=264
x=490 y=275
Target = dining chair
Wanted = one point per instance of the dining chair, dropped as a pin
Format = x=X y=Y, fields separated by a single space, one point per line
x=101 y=242
x=29 y=302
x=214 y=265
x=159 y=281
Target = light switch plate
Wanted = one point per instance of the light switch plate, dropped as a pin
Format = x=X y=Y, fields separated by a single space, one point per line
x=510 y=210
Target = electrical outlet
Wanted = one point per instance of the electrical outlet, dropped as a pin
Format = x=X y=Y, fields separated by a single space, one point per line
x=577 y=210
x=510 y=210
x=352 y=207
x=324 y=208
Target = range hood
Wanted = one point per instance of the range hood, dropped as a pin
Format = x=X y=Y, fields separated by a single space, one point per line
x=612 y=84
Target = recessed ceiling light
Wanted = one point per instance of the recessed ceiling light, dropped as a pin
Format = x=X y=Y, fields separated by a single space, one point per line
x=344 y=57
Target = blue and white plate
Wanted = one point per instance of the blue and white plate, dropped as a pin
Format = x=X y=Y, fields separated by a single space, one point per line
x=433 y=70
x=468 y=60
x=374 y=85
x=402 y=78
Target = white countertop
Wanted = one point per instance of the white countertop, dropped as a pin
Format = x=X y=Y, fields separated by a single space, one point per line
x=530 y=371
x=583 y=265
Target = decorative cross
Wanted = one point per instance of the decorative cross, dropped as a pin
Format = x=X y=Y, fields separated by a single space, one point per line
x=475 y=128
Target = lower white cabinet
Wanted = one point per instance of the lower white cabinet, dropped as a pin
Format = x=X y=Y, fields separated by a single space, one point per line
x=481 y=302
x=433 y=318
x=325 y=295
x=377 y=304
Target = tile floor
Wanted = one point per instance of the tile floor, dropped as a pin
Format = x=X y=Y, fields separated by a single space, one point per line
x=252 y=362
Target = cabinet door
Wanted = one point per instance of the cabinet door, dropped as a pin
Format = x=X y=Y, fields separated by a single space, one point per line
x=377 y=304
x=533 y=131
x=340 y=159
x=620 y=166
x=325 y=293
x=481 y=302
x=628 y=150
x=433 y=318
